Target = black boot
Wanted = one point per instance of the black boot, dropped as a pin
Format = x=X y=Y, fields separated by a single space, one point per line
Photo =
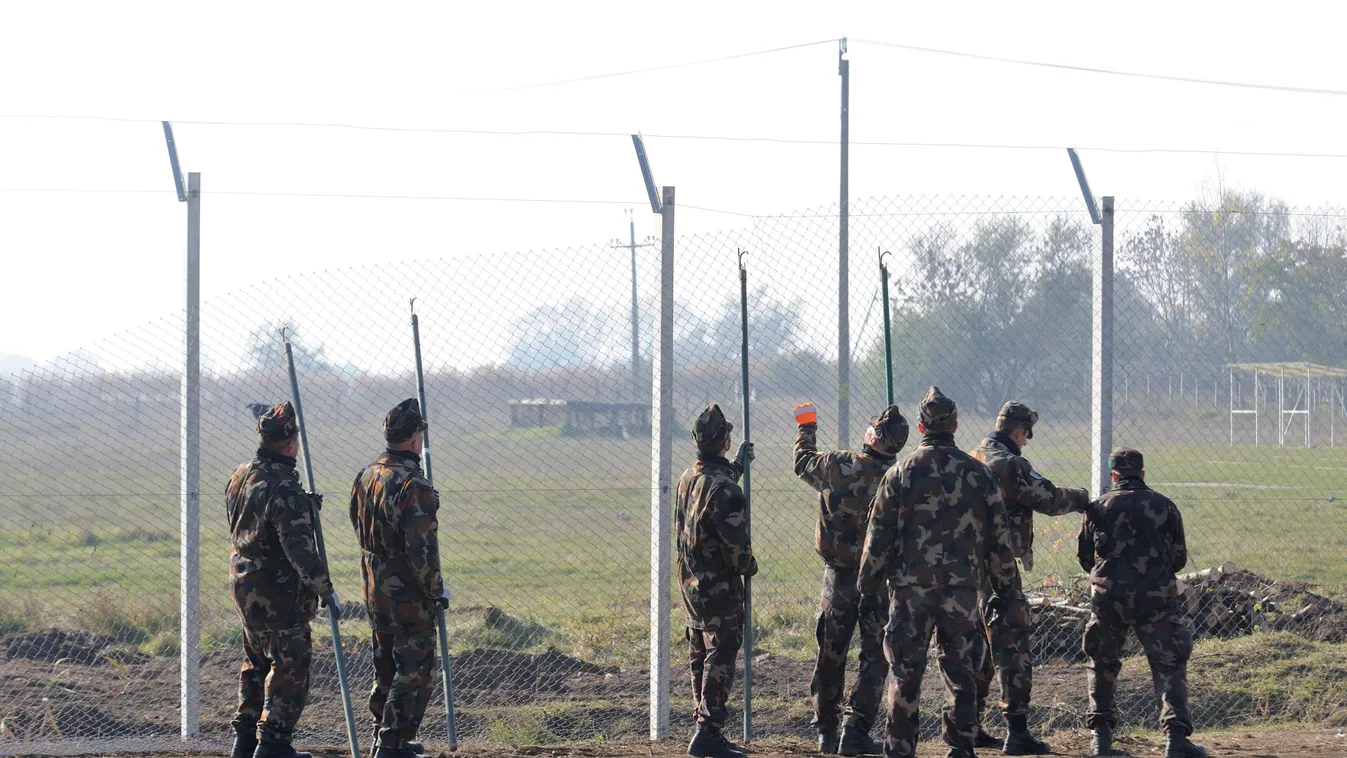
x=983 y=738
x=245 y=743
x=1178 y=746
x=277 y=749
x=1019 y=741
x=856 y=741
x=827 y=742
x=415 y=747
x=1101 y=742
x=708 y=742
x=407 y=750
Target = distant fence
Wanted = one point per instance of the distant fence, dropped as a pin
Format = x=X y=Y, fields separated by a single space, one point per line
x=546 y=522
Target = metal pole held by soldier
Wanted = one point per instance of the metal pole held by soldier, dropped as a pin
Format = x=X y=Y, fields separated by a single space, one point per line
x=888 y=345
x=748 y=581
x=446 y=668
x=340 y=656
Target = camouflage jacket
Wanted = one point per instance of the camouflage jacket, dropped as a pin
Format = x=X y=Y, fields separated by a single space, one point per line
x=394 y=511
x=937 y=520
x=1025 y=491
x=714 y=550
x=275 y=572
x=1132 y=544
x=846 y=482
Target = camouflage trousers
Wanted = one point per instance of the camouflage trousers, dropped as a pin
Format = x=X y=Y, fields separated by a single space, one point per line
x=1008 y=658
x=1168 y=643
x=404 y=680
x=836 y=622
x=951 y=613
x=711 y=656
x=274 y=681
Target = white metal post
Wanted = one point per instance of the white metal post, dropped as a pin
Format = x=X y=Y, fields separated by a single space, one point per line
x=190 y=576
x=661 y=473
x=1101 y=362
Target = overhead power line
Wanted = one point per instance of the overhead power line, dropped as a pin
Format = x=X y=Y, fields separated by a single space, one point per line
x=832 y=143
x=1110 y=72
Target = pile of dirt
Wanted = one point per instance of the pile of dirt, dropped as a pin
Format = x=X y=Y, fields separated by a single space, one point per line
x=1222 y=602
x=87 y=648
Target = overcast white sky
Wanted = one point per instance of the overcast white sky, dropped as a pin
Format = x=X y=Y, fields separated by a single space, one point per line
x=84 y=265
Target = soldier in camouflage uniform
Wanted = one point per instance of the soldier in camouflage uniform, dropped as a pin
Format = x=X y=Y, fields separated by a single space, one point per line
x=1132 y=544
x=846 y=482
x=394 y=512
x=714 y=556
x=937 y=527
x=277 y=577
x=1025 y=491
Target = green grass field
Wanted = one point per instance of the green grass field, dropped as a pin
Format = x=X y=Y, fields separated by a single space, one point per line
x=554 y=530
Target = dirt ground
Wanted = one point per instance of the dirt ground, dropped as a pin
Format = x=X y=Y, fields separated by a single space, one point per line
x=1276 y=743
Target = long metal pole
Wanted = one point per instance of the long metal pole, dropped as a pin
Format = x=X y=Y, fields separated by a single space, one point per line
x=843 y=272
x=190 y=578
x=446 y=668
x=748 y=500
x=635 y=319
x=1101 y=391
x=661 y=471
x=888 y=344
x=352 y=738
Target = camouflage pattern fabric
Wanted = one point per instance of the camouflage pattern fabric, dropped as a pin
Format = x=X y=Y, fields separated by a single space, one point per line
x=937 y=527
x=951 y=613
x=404 y=421
x=395 y=514
x=714 y=550
x=1025 y=491
x=277 y=423
x=846 y=482
x=276 y=574
x=274 y=681
x=837 y=619
x=938 y=520
x=711 y=658
x=404 y=679
x=1133 y=545
x=394 y=511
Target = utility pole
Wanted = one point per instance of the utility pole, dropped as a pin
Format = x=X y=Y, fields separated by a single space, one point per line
x=843 y=225
x=635 y=307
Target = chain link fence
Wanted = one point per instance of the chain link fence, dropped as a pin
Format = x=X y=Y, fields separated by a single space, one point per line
x=1228 y=318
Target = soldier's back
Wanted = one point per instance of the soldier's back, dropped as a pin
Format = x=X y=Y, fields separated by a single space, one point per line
x=1134 y=531
x=393 y=510
x=267 y=589
x=944 y=495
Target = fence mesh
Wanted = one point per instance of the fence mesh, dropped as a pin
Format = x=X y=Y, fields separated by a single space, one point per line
x=1229 y=375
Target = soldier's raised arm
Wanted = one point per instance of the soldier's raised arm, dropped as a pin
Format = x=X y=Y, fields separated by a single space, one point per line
x=811 y=465
x=420 y=534
x=1039 y=493
x=881 y=536
x=292 y=517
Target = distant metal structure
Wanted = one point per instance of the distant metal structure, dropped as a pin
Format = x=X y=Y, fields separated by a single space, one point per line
x=1298 y=377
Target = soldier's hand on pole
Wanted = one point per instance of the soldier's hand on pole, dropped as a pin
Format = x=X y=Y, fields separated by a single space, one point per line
x=443 y=599
x=805 y=413
x=333 y=605
x=867 y=610
x=317 y=499
x=745 y=453
x=1012 y=613
x=752 y=568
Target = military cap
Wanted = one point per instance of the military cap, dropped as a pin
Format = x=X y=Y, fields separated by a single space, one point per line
x=888 y=433
x=938 y=413
x=711 y=426
x=1125 y=460
x=404 y=421
x=1020 y=412
x=277 y=423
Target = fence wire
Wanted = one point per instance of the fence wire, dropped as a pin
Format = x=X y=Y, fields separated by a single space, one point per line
x=1230 y=368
